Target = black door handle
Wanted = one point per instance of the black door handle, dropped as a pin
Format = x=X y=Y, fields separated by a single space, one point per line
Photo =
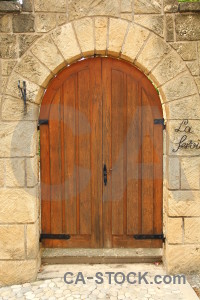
x=105 y=174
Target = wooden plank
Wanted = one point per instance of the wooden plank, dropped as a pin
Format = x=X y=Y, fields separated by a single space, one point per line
x=69 y=98
x=133 y=155
x=147 y=166
x=117 y=140
x=84 y=146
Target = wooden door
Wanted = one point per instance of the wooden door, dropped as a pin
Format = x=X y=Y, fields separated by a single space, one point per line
x=100 y=113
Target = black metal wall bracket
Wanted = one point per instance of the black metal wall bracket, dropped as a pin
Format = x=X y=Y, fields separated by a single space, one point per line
x=160 y=122
x=42 y=122
x=50 y=236
x=149 y=237
x=22 y=89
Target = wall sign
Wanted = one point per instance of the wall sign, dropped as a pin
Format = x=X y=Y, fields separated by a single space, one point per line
x=185 y=142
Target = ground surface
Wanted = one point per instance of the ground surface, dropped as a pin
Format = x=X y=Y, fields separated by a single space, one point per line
x=50 y=284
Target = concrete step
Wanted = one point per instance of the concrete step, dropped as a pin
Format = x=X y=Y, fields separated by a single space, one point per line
x=101 y=256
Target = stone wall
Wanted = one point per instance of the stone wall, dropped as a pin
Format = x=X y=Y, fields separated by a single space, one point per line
x=37 y=40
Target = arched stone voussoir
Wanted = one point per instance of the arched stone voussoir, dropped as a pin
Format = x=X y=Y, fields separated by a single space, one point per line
x=116 y=36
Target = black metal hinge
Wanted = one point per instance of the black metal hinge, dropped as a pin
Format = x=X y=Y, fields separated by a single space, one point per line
x=42 y=122
x=149 y=237
x=51 y=236
x=160 y=122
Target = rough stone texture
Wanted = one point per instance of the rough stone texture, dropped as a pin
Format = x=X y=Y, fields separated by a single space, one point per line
x=5 y=23
x=7 y=67
x=66 y=42
x=187 y=108
x=101 y=27
x=170 y=5
x=85 y=34
x=2 y=172
x=169 y=26
x=32 y=240
x=32 y=69
x=48 y=54
x=182 y=258
x=32 y=171
x=25 y=41
x=45 y=22
x=127 y=16
x=18 y=205
x=15 y=172
x=8 y=46
x=50 y=5
x=147 y=6
x=187 y=27
x=183 y=203
x=117 y=31
x=190 y=171
x=16 y=272
x=192 y=232
x=187 y=50
x=173 y=171
x=12 y=242
x=187 y=7
x=27 y=5
x=6 y=6
x=126 y=6
x=81 y=8
x=34 y=92
x=179 y=87
x=61 y=19
x=17 y=139
x=136 y=36
x=193 y=67
x=152 y=22
x=168 y=68
x=174 y=230
x=154 y=50
x=23 y=23
x=197 y=80
x=13 y=109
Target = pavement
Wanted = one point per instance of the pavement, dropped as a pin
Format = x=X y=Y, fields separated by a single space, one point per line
x=104 y=281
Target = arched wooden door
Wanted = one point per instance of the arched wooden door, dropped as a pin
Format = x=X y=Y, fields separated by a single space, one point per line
x=101 y=157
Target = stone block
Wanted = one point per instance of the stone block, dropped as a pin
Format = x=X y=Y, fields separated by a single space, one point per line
x=101 y=27
x=183 y=203
x=126 y=6
x=50 y=5
x=186 y=108
x=170 y=6
x=10 y=7
x=189 y=7
x=85 y=33
x=5 y=23
x=18 y=139
x=45 y=22
x=25 y=41
x=192 y=232
x=136 y=36
x=117 y=31
x=32 y=235
x=80 y=8
x=18 y=205
x=7 y=67
x=32 y=171
x=187 y=50
x=48 y=54
x=12 y=242
x=179 y=87
x=169 y=34
x=174 y=230
x=61 y=19
x=23 y=23
x=193 y=66
x=15 y=172
x=182 y=259
x=32 y=69
x=2 y=173
x=34 y=92
x=147 y=6
x=154 y=50
x=18 y=271
x=27 y=5
x=8 y=46
x=127 y=16
x=187 y=27
x=173 y=170
x=153 y=22
x=168 y=68
x=65 y=40
x=13 y=109
x=190 y=171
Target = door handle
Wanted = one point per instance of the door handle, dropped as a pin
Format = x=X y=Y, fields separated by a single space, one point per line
x=105 y=174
